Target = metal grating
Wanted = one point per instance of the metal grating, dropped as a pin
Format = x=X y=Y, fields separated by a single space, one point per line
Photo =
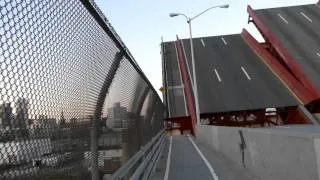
x=64 y=83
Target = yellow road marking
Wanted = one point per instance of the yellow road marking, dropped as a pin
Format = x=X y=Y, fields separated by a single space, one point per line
x=285 y=84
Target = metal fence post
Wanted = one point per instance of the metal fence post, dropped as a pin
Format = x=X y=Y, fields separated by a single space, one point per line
x=95 y=174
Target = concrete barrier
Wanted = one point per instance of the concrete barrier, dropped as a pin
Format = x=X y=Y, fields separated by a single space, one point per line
x=278 y=153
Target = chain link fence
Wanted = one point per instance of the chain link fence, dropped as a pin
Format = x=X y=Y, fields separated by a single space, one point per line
x=72 y=99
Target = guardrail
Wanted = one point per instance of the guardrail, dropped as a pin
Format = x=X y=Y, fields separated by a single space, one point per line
x=141 y=164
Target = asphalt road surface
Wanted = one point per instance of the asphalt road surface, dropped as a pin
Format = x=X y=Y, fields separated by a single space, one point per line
x=298 y=30
x=175 y=98
x=231 y=77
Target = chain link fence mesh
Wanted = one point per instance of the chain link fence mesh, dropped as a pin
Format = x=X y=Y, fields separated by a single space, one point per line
x=60 y=72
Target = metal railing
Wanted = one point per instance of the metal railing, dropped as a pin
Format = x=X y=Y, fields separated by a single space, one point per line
x=74 y=104
x=142 y=164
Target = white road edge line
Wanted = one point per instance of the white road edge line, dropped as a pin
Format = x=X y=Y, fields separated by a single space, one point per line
x=213 y=174
x=283 y=19
x=224 y=41
x=304 y=15
x=245 y=72
x=318 y=54
x=217 y=74
x=166 y=175
x=204 y=45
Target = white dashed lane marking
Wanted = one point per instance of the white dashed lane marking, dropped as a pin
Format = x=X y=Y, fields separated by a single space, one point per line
x=305 y=16
x=217 y=74
x=204 y=45
x=283 y=19
x=245 y=72
x=224 y=41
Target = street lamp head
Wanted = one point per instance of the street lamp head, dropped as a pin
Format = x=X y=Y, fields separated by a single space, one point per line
x=224 y=6
x=173 y=14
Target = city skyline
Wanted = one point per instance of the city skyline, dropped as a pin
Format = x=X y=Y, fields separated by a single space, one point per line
x=116 y=116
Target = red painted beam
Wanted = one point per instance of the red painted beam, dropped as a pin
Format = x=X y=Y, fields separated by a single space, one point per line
x=294 y=86
x=183 y=121
x=177 y=119
x=284 y=54
x=295 y=116
x=187 y=85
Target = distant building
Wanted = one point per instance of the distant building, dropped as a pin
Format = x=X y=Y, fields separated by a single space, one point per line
x=62 y=119
x=45 y=122
x=43 y=127
x=21 y=120
x=6 y=116
x=117 y=116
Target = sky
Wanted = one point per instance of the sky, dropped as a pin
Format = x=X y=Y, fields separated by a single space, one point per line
x=142 y=23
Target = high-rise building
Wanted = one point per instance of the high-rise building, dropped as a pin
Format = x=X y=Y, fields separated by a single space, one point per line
x=5 y=115
x=117 y=116
x=62 y=119
x=21 y=120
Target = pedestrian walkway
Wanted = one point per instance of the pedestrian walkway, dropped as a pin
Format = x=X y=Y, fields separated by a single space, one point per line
x=186 y=162
x=187 y=159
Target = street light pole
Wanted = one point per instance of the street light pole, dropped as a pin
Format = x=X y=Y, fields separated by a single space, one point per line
x=195 y=88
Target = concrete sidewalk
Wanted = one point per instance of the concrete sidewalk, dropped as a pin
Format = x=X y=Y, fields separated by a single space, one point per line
x=186 y=163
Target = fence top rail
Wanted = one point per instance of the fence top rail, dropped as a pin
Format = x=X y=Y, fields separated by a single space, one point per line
x=98 y=15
